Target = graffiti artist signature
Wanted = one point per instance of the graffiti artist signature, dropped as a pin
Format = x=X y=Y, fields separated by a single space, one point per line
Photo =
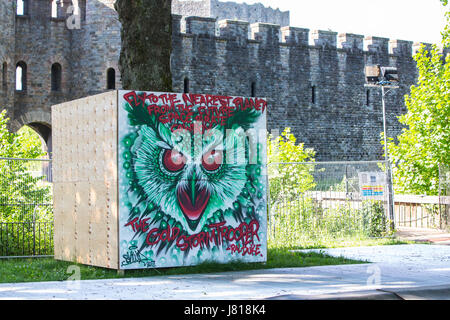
x=135 y=256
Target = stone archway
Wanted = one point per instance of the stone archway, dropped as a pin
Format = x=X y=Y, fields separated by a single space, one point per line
x=45 y=132
x=39 y=121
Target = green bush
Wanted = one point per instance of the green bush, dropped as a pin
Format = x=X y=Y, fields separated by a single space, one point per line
x=305 y=223
x=375 y=222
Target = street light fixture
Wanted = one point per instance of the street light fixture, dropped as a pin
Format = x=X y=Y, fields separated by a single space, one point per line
x=384 y=78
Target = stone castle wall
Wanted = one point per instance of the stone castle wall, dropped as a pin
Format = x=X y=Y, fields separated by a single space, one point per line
x=7 y=57
x=218 y=57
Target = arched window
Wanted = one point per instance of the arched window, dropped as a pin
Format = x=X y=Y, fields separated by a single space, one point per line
x=54 y=9
x=56 y=77
x=186 y=85
x=111 y=79
x=5 y=76
x=21 y=76
x=313 y=94
x=22 y=7
x=253 y=89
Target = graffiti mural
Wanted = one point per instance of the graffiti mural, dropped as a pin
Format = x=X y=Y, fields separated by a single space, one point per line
x=192 y=179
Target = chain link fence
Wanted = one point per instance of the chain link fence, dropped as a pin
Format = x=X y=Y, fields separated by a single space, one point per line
x=314 y=204
x=26 y=215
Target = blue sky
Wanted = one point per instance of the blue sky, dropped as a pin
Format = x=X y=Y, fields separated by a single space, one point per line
x=414 y=20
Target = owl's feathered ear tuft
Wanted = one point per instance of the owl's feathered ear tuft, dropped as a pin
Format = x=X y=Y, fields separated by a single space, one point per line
x=243 y=118
x=138 y=115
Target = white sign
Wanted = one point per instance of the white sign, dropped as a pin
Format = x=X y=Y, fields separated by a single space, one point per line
x=372 y=184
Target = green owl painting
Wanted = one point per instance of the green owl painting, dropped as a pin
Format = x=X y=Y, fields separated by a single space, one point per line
x=192 y=179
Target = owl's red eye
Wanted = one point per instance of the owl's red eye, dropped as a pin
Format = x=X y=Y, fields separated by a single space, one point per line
x=212 y=160
x=173 y=160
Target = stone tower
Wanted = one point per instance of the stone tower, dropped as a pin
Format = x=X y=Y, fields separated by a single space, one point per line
x=7 y=59
x=251 y=13
x=96 y=48
x=40 y=43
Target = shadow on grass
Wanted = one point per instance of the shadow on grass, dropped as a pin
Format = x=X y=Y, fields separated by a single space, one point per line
x=48 y=269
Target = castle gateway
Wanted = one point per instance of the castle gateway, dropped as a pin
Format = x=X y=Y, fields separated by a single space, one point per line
x=313 y=81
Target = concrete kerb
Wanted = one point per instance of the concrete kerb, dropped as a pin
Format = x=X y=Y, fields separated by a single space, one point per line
x=417 y=293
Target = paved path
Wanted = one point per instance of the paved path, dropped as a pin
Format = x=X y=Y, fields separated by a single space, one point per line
x=434 y=236
x=418 y=256
x=419 y=267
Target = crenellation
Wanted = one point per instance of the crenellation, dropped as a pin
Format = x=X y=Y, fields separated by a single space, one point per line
x=321 y=38
x=350 y=41
x=377 y=45
x=176 y=24
x=400 y=47
x=295 y=36
x=234 y=30
x=63 y=9
x=268 y=34
x=39 y=9
x=201 y=26
x=417 y=45
x=446 y=52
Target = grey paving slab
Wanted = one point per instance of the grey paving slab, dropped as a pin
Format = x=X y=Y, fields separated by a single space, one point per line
x=385 y=274
x=412 y=254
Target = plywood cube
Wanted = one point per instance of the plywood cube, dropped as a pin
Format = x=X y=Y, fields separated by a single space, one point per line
x=150 y=179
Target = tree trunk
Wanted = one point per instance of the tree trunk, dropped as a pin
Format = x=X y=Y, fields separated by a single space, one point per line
x=146 y=44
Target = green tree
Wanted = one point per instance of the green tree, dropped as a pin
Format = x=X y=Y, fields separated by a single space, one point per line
x=23 y=144
x=20 y=190
x=425 y=142
x=146 y=44
x=288 y=178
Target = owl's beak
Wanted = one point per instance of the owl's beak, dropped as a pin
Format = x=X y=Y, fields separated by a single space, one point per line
x=193 y=201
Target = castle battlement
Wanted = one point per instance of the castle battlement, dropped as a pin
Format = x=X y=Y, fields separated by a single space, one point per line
x=313 y=80
x=274 y=35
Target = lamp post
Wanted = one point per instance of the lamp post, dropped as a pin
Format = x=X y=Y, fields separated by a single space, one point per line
x=383 y=77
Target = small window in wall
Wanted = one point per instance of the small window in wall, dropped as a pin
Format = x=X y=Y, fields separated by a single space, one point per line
x=22 y=7
x=111 y=79
x=4 y=76
x=313 y=94
x=54 y=9
x=368 y=98
x=56 y=77
x=253 y=89
x=186 y=85
x=21 y=76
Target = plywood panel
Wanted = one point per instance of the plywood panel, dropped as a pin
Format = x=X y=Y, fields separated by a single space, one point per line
x=68 y=222
x=58 y=219
x=85 y=167
x=82 y=225
x=112 y=224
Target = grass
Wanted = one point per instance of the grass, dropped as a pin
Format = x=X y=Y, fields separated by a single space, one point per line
x=48 y=269
x=16 y=270
x=351 y=242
